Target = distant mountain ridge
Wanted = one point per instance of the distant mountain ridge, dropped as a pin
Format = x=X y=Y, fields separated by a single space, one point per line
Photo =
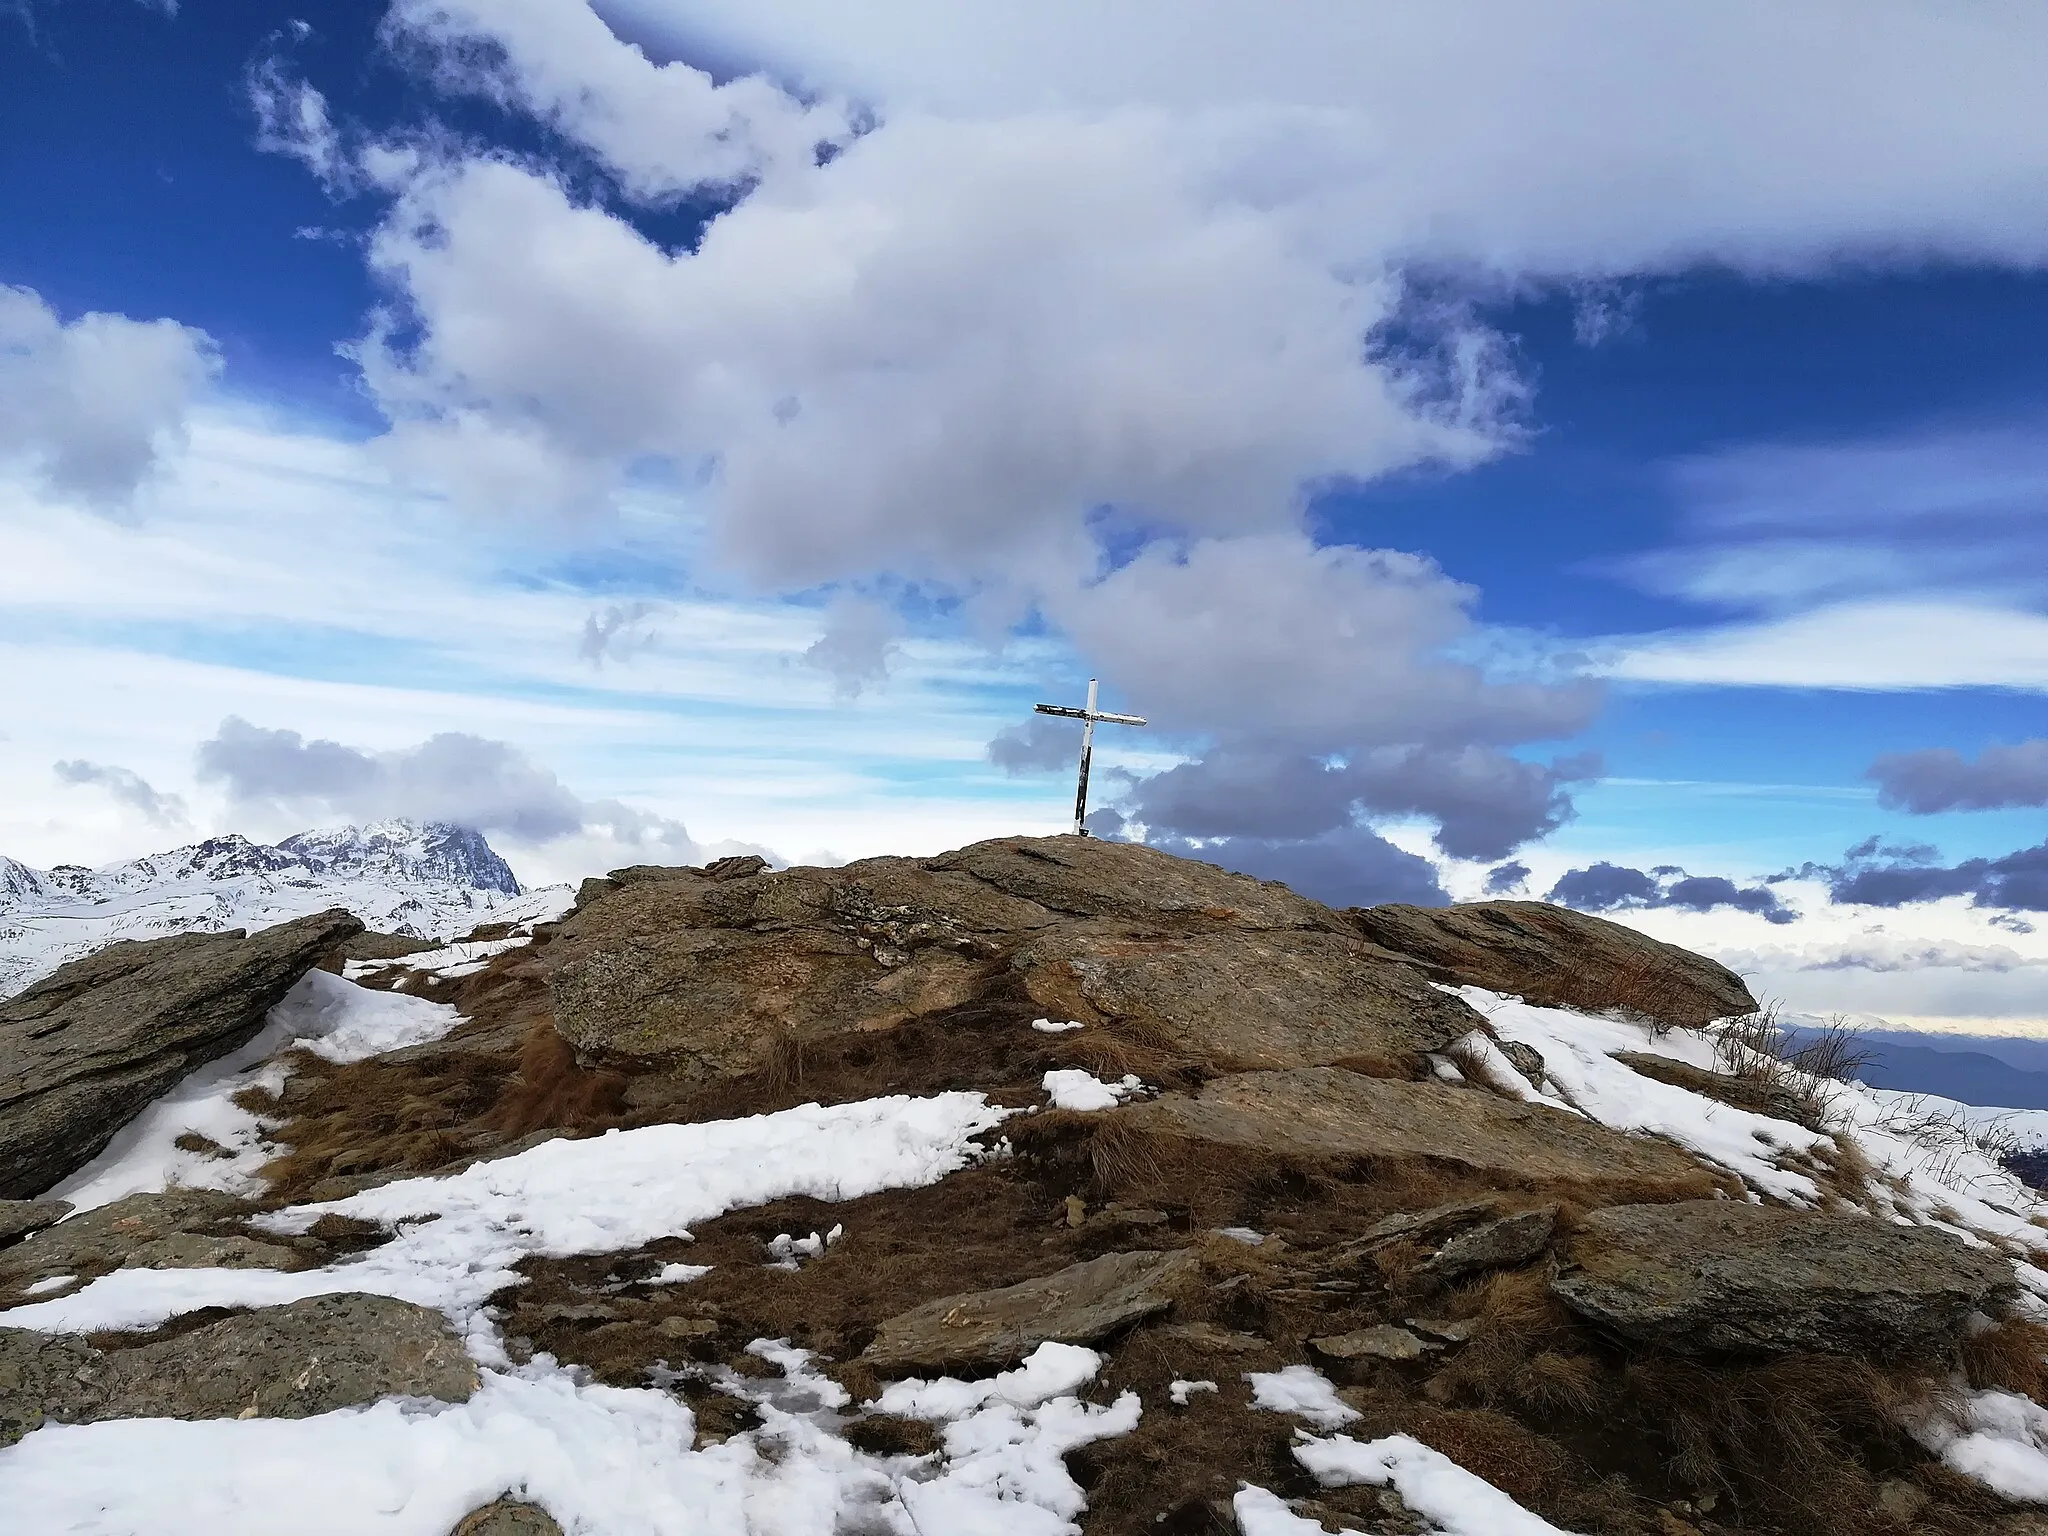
x=430 y=880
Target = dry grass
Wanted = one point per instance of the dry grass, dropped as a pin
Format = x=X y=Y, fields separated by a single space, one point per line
x=1646 y=987
x=2010 y=1356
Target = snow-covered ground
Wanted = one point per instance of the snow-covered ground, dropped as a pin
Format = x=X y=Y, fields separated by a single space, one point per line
x=428 y=882
x=621 y=1460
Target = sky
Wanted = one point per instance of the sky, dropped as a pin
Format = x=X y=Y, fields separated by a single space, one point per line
x=1590 y=451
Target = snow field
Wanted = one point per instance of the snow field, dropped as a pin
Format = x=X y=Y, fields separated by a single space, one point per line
x=324 y=1014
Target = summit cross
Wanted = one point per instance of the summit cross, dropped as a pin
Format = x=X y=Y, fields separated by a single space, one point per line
x=1088 y=716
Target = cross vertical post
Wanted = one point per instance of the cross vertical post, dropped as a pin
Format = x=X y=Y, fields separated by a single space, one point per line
x=1087 y=716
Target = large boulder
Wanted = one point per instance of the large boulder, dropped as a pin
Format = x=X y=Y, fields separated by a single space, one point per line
x=287 y=1362
x=1327 y=1114
x=24 y=1218
x=1557 y=958
x=85 y=1049
x=705 y=975
x=991 y=1329
x=1726 y=1276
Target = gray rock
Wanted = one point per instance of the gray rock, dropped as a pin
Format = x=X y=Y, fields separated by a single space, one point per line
x=1076 y=1305
x=1244 y=999
x=177 y=1229
x=1499 y=1244
x=508 y=1517
x=1452 y=1330
x=1326 y=1113
x=23 y=1218
x=1715 y=1276
x=1558 y=958
x=291 y=1362
x=1381 y=1342
x=90 y=1045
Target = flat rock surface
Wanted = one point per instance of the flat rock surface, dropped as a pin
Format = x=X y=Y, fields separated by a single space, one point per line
x=1382 y=1341
x=310 y=1357
x=1245 y=999
x=1557 y=958
x=1076 y=1305
x=508 y=1517
x=90 y=1045
x=20 y=1218
x=1713 y=1275
x=1324 y=1112
x=177 y=1229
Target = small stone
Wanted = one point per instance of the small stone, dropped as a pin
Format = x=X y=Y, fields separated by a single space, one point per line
x=1077 y=1210
x=1383 y=1341
x=1895 y=1497
x=1209 y=1336
x=1450 y=1330
x=686 y=1327
x=1525 y=1059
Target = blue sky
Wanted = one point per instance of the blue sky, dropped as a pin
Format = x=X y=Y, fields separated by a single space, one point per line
x=737 y=448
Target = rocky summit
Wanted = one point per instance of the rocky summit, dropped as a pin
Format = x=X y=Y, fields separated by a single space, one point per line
x=1048 y=1185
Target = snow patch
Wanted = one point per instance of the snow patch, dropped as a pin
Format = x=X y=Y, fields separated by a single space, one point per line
x=1056 y=1026
x=1181 y=1391
x=1077 y=1088
x=1302 y=1391
x=1429 y=1482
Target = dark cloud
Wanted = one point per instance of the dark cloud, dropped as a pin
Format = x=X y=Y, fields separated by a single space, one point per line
x=1507 y=879
x=1942 y=779
x=1617 y=887
x=1037 y=745
x=1351 y=867
x=1485 y=802
x=470 y=781
x=126 y=786
x=1877 y=876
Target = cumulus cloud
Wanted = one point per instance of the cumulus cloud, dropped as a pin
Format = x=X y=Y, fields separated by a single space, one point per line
x=1036 y=745
x=1942 y=779
x=91 y=404
x=127 y=787
x=471 y=781
x=858 y=644
x=1607 y=887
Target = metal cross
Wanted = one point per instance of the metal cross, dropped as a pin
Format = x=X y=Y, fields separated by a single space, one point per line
x=1089 y=715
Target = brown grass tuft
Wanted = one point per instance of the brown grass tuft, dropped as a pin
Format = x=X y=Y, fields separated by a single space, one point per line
x=2011 y=1356
x=551 y=1091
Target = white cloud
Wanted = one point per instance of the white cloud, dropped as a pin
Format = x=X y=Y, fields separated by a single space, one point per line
x=90 y=404
x=1867 y=645
x=1581 y=136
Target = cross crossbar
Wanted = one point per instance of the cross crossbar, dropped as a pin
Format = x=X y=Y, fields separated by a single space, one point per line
x=1088 y=718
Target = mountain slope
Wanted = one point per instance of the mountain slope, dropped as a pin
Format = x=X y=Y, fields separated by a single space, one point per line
x=432 y=881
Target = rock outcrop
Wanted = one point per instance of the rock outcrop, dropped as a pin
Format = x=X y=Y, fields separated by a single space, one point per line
x=706 y=973
x=1722 y=1276
x=288 y=1362
x=1557 y=958
x=87 y=1047
x=1328 y=1114
x=990 y=1329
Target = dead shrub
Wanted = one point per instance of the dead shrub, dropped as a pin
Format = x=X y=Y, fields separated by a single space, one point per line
x=1646 y=987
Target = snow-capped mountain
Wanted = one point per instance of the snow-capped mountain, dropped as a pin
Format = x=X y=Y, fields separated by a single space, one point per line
x=432 y=881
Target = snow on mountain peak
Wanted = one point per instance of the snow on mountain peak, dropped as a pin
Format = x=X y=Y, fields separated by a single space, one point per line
x=430 y=880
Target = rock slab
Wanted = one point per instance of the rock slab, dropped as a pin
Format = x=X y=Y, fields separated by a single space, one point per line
x=1557 y=958
x=24 y=1218
x=288 y=1362
x=85 y=1049
x=1723 y=1276
x=1076 y=1305
x=1328 y=1113
x=177 y=1229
